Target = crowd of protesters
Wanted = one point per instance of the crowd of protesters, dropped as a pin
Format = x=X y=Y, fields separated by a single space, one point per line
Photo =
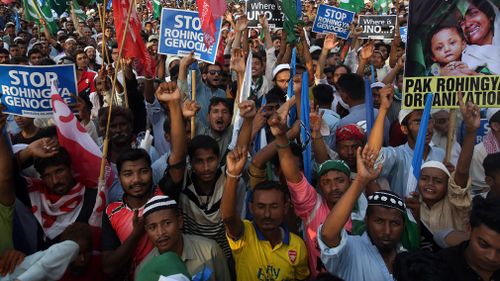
x=231 y=200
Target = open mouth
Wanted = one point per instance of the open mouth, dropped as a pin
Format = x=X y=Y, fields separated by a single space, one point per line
x=473 y=30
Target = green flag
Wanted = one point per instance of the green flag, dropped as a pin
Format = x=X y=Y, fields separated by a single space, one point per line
x=80 y=14
x=33 y=12
x=156 y=9
x=59 y=6
x=352 y=5
x=381 y=6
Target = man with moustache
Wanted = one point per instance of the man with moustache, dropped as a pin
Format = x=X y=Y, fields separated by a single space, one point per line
x=163 y=223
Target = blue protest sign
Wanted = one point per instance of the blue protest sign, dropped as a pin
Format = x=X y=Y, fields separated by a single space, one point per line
x=333 y=20
x=403 y=32
x=26 y=89
x=180 y=33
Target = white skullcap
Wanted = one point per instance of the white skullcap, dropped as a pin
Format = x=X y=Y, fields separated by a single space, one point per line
x=70 y=39
x=279 y=68
x=88 y=47
x=437 y=165
x=377 y=85
x=403 y=113
x=490 y=112
x=314 y=48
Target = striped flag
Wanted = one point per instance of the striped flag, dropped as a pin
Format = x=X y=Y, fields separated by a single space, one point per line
x=411 y=236
x=84 y=152
x=305 y=128
x=80 y=14
x=34 y=11
x=156 y=9
x=381 y=6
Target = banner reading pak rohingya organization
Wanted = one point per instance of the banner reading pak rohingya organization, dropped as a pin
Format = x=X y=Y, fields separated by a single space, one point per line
x=453 y=46
x=181 y=33
x=26 y=89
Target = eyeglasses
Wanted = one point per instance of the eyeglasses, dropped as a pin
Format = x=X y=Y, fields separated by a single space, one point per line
x=214 y=72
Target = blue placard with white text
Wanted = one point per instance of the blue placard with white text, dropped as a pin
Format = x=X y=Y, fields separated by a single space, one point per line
x=180 y=33
x=333 y=20
x=26 y=89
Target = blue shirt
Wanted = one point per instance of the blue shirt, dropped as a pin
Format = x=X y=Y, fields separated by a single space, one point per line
x=397 y=165
x=354 y=259
x=357 y=113
x=157 y=116
x=331 y=119
x=203 y=95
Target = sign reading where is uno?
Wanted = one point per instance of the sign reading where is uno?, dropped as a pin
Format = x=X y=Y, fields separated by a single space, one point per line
x=26 y=89
x=270 y=8
x=377 y=27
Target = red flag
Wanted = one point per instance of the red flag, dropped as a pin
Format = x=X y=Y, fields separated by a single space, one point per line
x=134 y=46
x=84 y=152
x=207 y=22
x=218 y=7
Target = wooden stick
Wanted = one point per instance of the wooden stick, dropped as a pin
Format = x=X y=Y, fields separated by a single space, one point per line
x=103 y=28
x=193 y=98
x=106 y=136
x=124 y=85
x=451 y=134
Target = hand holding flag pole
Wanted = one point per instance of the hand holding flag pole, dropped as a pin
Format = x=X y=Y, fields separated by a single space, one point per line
x=193 y=98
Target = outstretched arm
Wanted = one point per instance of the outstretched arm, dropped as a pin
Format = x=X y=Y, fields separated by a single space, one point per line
x=7 y=193
x=338 y=216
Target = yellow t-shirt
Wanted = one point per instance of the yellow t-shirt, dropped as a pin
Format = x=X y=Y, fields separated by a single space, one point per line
x=256 y=260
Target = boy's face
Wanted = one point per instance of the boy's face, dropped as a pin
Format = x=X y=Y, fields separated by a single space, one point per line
x=447 y=46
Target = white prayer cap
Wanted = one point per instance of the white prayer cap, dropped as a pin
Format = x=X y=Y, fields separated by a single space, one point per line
x=377 y=85
x=279 y=68
x=88 y=47
x=437 y=165
x=403 y=113
x=314 y=48
x=490 y=112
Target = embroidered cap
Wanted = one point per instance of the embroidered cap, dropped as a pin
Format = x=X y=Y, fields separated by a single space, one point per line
x=387 y=199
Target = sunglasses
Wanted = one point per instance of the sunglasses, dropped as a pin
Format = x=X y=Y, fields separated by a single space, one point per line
x=214 y=72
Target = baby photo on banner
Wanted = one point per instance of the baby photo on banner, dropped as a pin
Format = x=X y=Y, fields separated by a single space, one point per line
x=453 y=46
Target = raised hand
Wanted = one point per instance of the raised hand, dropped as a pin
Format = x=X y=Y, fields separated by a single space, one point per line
x=365 y=163
x=413 y=203
x=168 y=92
x=238 y=61
x=263 y=21
x=188 y=59
x=43 y=148
x=470 y=114
x=247 y=109
x=277 y=121
x=330 y=42
x=386 y=96
x=190 y=108
x=401 y=62
x=236 y=159
x=241 y=23
x=137 y=224
x=315 y=119
x=367 y=51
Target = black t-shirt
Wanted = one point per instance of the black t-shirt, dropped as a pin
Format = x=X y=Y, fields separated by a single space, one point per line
x=457 y=266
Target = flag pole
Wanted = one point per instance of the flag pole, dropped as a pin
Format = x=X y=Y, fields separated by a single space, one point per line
x=124 y=84
x=451 y=134
x=106 y=136
x=193 y=98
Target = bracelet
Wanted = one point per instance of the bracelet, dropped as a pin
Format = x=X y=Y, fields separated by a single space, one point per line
x=279 y=146
x=232 y=176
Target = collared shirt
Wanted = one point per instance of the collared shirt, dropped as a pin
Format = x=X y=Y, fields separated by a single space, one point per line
x=477 y=170
x=397 y=165
x=450 y=212
x=457 y=267
x=354 y=259
x=116 y=228
x=357 y=113
x=198 y=252
x=256 y=259
x=203 y=94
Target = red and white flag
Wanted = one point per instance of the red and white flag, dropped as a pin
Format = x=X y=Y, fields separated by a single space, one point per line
x=207 y=22
x=133 y=46
x=84 y=152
